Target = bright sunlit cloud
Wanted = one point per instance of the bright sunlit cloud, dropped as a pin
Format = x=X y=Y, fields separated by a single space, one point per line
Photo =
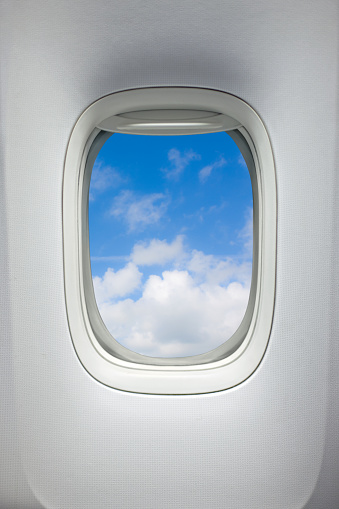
x=158 y=252
x=179 y=311
x=116 y=284
x=176 y=315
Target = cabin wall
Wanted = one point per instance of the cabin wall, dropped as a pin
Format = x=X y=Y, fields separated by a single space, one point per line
x=66 y=440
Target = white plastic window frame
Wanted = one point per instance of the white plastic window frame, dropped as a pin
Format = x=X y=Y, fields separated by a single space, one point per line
x=103 y=357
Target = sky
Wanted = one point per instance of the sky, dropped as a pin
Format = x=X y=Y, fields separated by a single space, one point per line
x=170 y=226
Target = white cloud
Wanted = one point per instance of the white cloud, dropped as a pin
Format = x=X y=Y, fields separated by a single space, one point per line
x=103 y=177
x=189 y=309
x=207 y=170
x=139 y=211
x=177 y=317
x=116 y=284
x=158 y=252
x=218 y=271
x=179 y=162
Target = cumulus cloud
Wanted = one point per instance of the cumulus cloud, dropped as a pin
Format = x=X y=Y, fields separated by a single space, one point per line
x=158 y=252
x=193 y=306
x=218 y=271
x=179 y=162
x=206 y=171
x=103 y=177
x=116 y=284
x=139 y=211
x=177 y=317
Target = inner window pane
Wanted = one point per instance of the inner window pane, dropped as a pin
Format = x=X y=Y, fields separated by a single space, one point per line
x=171 y=236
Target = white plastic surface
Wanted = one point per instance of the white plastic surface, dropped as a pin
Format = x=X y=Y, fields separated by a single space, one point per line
x=167 y=121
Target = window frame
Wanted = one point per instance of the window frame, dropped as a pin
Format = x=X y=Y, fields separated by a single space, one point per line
x=103 y=357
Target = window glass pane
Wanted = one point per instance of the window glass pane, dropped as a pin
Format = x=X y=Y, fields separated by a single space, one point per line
x=170 y=226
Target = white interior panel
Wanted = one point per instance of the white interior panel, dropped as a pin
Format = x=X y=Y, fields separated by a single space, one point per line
x=68 y=441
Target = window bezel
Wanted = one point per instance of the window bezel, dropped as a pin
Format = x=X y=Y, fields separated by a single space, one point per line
x=104 y=358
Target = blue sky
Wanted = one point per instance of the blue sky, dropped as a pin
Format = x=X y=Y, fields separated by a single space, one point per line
x=170 y=221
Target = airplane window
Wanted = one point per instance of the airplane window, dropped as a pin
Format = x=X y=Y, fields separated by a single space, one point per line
x=169 y=240
x=170 y=235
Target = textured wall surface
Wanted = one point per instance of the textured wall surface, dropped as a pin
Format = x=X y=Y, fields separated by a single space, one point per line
x=66 y=440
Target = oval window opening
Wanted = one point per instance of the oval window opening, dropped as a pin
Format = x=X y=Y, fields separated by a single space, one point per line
x=171 y=241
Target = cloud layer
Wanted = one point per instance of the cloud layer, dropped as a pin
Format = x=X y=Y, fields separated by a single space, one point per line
x=189 y=308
